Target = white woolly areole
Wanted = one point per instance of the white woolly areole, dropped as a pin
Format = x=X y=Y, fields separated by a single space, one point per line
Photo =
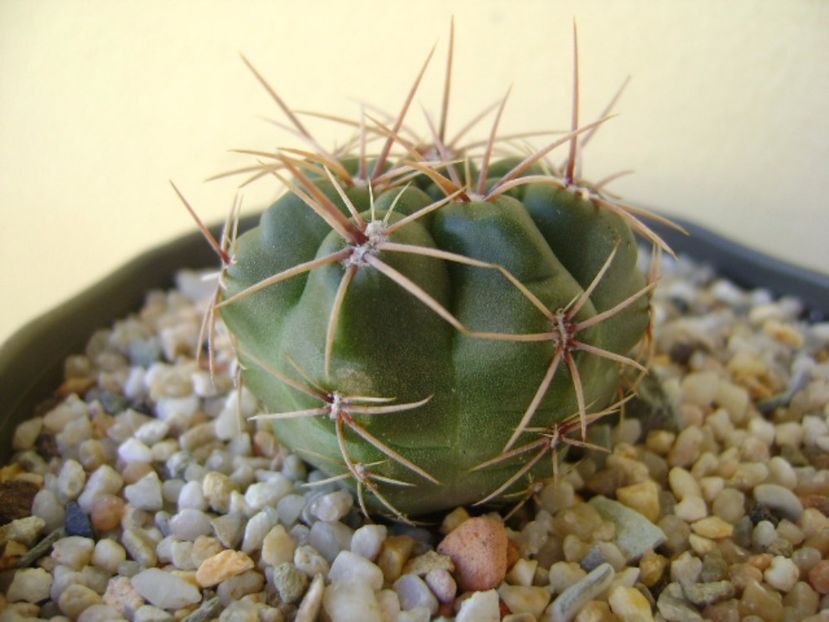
x=376 y=233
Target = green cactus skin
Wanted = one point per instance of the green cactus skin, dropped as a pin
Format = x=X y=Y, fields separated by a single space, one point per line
x=433 y=343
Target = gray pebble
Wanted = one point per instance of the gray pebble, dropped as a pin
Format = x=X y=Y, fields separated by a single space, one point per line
x=570 y=601
x=329 y=538
x=635 y=534
x=779 y=500
x=290 y=582
x=190 y=524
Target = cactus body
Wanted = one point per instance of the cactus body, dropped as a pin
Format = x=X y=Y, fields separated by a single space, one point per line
x=390 y=343
x=430 y=332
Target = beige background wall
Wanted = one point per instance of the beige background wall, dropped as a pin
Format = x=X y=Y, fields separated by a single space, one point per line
x=101 y=102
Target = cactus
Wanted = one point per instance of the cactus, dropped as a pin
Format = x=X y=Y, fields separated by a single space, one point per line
x=431 y=327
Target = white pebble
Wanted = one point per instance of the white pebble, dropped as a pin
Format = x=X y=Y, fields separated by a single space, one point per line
x=763 y=534
x=329 y=538
x=691 y=508
x=442 y=584
x=133 y=450
x=30 y=584
x=351 y=602
x=411 y=590
x=26 y=434
x=152 y=432
x=145 y=494
x=290 y=508
x=73 y=551
x=683 y=483
x=47 y=506
x=782 y=574
x=349 y=566
x=103 y=481
x=165 y=590
x=367 y=540
x=108 y=554
x=256 y=530
x=267 y=493
x=71 y=480
x=189 y=524
x=480 y=607
x=781 y=472
x=332 y=506
x=191 y=497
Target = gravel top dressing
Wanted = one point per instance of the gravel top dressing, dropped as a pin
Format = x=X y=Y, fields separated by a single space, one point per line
x=142 y=493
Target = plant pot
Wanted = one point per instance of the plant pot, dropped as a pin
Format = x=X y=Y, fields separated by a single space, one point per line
x=31 y=361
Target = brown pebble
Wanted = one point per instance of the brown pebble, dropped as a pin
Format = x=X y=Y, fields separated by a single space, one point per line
x=394 y=553
x=478 y=547
x=819 y=502
x=16 y=500
x=78 y=386
x=819 y=577
x=726 y=611
x=46 y=446
x=107 y=512
x=760 y=600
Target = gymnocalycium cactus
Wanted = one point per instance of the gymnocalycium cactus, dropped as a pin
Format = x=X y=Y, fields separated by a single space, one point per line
x=426 y=322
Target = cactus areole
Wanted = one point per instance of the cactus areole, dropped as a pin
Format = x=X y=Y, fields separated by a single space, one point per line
x=428 y=325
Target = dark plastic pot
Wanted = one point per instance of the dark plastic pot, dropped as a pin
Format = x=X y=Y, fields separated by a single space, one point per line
x=31 y=361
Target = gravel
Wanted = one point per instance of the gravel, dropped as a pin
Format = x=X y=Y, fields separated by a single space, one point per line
x=141 y=494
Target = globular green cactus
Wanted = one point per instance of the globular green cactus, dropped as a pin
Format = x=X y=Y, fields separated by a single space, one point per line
x=432 y=325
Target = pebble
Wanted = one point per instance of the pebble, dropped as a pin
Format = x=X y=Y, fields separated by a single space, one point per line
x=145 y=494
x=481 y=606
x=349 y=566
x=278 y=547
x=642 y=497
x=442 y=584
x=332 y=506
x=329 y=538
x=713 y=527
x=189 y=524
x=30 y=584
x=77 y=598
x=782 y=574
x=165 y=590
x=780 y=500
x=635 y=534
x=571 y=600
x=289 y=582
x=629 y=605
x=520 y=599
x=312 y=602
x=819 y=577
x=478 y=548
x=71 y=480
x=351 y=602
x=222 y=566
x=76 y=522
x=368 y=540
x=256 y=529
x=708 y=593
x=413 y=593
x=122 y=596
x=394 y=553
x=73 y=551
x=240 y=585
